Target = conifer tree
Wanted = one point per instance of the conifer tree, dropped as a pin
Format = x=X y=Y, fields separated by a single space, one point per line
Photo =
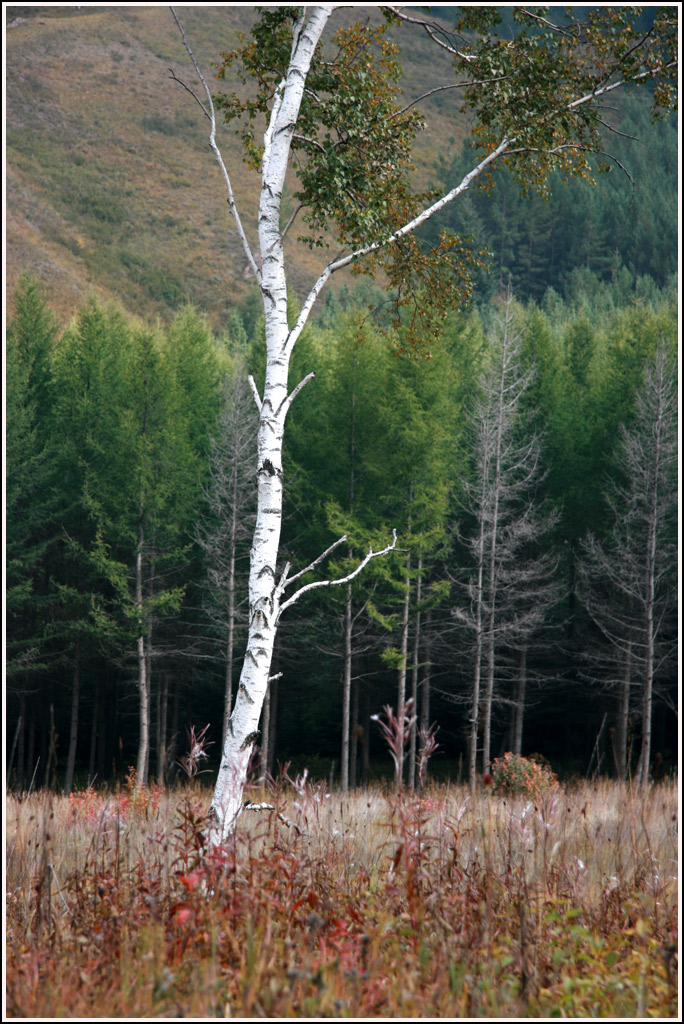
x=630 y=579
x=510 y=582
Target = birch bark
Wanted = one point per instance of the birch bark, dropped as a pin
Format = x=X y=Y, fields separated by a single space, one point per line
x=264 y=590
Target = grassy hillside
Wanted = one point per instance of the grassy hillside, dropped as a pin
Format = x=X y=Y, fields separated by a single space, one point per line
x=110 y=181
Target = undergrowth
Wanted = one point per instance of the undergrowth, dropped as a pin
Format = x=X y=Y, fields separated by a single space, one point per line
x=344 y=906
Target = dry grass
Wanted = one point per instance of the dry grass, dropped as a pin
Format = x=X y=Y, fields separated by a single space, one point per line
x=363 y=906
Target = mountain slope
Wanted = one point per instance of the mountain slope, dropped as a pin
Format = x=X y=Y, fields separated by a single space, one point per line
x=110 y=181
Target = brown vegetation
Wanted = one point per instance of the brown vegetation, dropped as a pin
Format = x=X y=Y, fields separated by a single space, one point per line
x=448 y=906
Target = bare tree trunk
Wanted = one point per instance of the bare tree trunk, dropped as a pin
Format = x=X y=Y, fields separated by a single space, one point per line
x=519 y=710
x=162 y=727
x=348 y=619
x=647 y=701
x=425 y=708
x=21 y=743
x=143 y=689
x=403 y=651
x=493 y=552
x=172 y=753
x=94 y=732
x=475 y=703
x=365 y=745
x=622 y=730
x=357 y=732
x=641 y=561
x=346 y=691
x=73 y=726
x=413 y=745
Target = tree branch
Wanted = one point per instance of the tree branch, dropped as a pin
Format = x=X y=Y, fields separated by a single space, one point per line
x=431 y=30
x=287 y=402
x=254 y=392
x=211 y=114
x=407 y=229
x=291 y=221
x=312 y=565
x=335 y=583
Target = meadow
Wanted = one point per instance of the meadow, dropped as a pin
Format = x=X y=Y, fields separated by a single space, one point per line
x=366 y=905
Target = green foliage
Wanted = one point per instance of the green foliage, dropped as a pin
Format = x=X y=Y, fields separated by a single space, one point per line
x=541 y=88
x=521 y=776
x=352 y=151
x=616 y=229
x=109 y=414
x=30 y=505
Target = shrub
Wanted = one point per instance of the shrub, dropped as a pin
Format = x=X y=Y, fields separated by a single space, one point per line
x=515 y=774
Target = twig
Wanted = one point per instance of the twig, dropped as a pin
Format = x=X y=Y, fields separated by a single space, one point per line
x=249 y=806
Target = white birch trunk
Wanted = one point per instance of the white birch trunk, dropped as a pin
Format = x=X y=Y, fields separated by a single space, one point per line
x=264 y=592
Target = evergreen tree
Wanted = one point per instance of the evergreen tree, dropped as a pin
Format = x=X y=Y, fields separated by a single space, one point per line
x=225 y=527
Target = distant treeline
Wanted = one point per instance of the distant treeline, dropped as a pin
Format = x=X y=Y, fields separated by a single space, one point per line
x=620 y=230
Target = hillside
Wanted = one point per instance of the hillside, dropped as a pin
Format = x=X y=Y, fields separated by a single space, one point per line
x=111 y=185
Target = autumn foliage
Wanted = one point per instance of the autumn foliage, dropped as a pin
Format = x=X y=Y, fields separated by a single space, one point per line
x=445 y=906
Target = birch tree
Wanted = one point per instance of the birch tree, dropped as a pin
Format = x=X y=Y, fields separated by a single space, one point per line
x=336 y=112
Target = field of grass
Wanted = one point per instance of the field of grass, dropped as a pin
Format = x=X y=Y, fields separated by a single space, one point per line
x=362 y=906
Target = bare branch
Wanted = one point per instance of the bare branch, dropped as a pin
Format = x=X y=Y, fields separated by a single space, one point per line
x=254 y=392
x=549 y=24
x=443 y=88
x=287 y=402
x=187 y=88
x=346 y=579
x=616 y=131
x=312 y=565
x=291 y=221
x=432 y=29
x=211 y=114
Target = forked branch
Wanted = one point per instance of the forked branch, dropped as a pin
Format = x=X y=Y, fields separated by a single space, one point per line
x=284 y=582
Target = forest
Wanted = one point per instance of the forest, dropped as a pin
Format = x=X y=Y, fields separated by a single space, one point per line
x=519 y=461
x=130 y=500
